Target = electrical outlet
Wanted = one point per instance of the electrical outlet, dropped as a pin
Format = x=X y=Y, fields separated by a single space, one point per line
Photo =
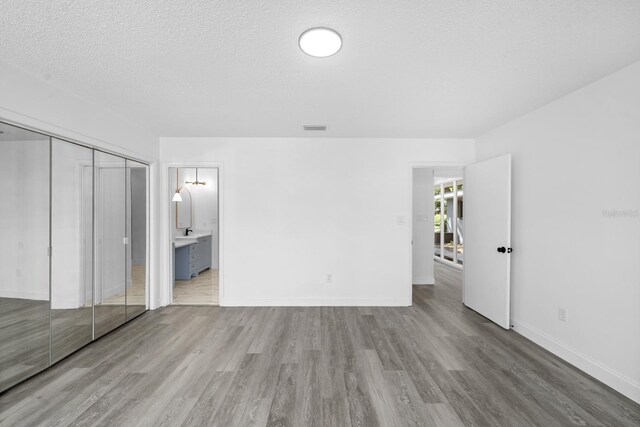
x=329 y=277
x=562 y=314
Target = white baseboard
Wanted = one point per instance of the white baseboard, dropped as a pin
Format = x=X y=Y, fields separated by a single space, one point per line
x=64 y=304
x=426 y=280
x=56 y=304
x=115 y=290
x=315 y=302
x=613 y=379
x=36 y=296
x=447 y=262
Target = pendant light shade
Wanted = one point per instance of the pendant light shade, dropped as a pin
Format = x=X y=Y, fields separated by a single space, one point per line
x=177 y=197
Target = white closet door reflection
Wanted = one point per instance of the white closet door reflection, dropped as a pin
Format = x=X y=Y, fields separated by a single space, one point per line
x=24 y=260
x=72 y=242
x=110 y=249
x=137 y=238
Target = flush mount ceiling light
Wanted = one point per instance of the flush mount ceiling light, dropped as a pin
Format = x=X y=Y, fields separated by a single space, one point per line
x=320 y=42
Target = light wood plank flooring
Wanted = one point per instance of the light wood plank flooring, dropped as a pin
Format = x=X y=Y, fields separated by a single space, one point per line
x=200 y=290
x=136 y=294
x=435 y=363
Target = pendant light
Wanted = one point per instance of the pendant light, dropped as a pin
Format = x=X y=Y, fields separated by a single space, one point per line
x=177 y=197
x=196 y=182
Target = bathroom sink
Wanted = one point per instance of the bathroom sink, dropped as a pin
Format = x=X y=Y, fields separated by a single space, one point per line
x=193 y=236
x=184 y=242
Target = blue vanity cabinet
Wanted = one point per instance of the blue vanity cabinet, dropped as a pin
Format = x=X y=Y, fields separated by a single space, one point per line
x=186 y=261
x=193 y=258
x=203 y=256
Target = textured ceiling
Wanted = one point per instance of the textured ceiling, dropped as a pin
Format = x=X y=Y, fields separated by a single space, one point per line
x=408 y=68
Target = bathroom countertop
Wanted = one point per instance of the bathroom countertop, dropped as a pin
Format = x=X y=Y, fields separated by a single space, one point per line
x=185 y=242
x=192 y=236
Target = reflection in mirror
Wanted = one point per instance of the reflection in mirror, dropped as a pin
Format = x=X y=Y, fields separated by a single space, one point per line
x=110 y=249
x=24 y=263
x=136 y=296
x=72 y=243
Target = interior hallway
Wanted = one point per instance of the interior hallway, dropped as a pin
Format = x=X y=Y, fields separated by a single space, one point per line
x=435 y=363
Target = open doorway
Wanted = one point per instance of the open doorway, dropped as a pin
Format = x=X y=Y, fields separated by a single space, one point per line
x=438 y=221
x=194 y=224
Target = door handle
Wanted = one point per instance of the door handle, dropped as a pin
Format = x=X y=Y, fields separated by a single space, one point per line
x=502 y=249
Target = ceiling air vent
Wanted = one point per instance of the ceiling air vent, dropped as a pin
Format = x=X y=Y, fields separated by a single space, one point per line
x=314 y=127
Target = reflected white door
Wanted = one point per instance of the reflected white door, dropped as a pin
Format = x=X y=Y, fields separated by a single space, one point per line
x=487 y=248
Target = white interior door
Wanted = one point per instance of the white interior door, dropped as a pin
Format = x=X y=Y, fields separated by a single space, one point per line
x=487 y=246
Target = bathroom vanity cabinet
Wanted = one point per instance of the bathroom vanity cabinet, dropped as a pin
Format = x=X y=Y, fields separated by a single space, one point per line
x=192 y=256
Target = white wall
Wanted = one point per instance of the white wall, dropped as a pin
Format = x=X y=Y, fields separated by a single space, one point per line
x=294 y=210
x=572 y=160
x=423 y=211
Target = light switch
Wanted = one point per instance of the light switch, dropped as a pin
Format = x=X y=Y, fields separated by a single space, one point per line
x=400 y=220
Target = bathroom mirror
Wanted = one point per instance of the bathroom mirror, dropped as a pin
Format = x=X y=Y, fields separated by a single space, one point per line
x=183 y=203
x=183 y=209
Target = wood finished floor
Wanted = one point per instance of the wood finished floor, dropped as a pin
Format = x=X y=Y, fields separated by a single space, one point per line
x=435 y=363
x=200 y=290
x=24 y=333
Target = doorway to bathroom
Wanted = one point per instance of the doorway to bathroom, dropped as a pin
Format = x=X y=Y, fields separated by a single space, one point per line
x=195 y=238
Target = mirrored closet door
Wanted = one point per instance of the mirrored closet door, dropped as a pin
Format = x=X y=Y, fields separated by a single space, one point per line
x=72 y=248
x=74 y=257
x=110 y=238
x=136 y=202
x=24 y=261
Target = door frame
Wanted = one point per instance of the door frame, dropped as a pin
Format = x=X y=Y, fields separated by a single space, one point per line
x=424 y=165
x=83 y=168
x=166 y=282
